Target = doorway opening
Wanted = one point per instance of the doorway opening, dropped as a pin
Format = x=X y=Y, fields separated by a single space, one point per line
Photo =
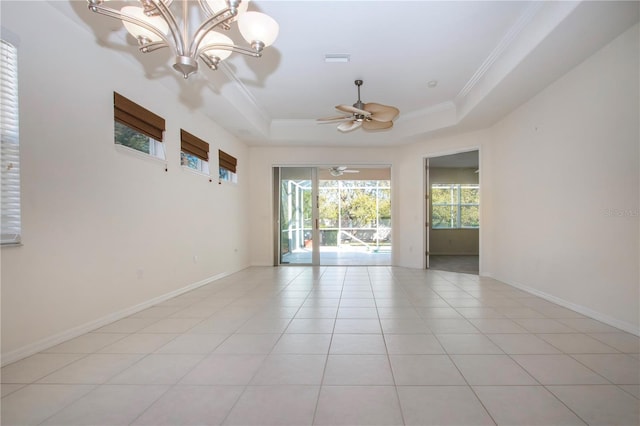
x=453 y=212
x=334 y=215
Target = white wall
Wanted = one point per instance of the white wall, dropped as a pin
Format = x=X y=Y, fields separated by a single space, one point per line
x=454 y=242
x=564 y=176
x=453 y=175
x=104 y=230
x=407 y=189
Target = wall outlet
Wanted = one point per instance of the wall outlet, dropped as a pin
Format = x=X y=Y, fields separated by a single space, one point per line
x=195 y=259
x=140 y=273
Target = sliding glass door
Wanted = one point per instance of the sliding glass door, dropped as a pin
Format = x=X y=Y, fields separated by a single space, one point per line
x=355 y=221
x=332 y=216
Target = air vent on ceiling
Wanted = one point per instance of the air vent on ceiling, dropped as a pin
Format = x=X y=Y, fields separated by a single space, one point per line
x=337 y=58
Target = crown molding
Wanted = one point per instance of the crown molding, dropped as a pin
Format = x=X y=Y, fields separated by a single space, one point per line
x=531 y=29
x=245 y=102
x=523 y=21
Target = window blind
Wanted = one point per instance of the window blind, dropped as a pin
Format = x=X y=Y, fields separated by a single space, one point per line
x=194 y=145
x=138 y=118
x=9 y=145
x=227 y=161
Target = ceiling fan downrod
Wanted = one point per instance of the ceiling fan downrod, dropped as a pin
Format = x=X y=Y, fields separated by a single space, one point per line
x=359 y=104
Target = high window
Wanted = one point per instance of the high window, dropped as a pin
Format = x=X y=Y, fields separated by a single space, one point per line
x=194 y=152
x=227 y=167
x=455 y=206
x=138 y=128
x=9 y=145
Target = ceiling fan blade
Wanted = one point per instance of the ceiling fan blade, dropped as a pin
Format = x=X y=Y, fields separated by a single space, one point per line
x=351 y=171
x=377 y=125
x=352 y=109
x=381 y=112
x=337 y=118
x=349 y=126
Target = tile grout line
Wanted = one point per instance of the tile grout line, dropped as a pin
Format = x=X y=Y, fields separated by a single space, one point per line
x=95 y=386
x=70 y=403
x=245 y=387
x=469 y=385
x=326 y=361
x=393 y=376
x=249 y=290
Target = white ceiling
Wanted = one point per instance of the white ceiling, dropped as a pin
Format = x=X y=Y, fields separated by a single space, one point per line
x=488 y=57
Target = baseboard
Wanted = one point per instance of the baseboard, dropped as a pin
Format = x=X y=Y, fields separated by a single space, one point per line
x=72 y=333
x=598 y=316
x=453 y=254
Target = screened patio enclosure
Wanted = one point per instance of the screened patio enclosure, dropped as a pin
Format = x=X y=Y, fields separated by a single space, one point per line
x=348 y=224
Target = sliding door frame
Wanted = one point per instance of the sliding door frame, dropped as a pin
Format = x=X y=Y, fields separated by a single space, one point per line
x=315 y=231
x=315 y=173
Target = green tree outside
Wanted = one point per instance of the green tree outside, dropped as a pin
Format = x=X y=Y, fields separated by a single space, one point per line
x=454 y=206
x=126 y=136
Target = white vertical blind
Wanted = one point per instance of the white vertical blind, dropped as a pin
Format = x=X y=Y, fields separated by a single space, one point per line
x=9 y=145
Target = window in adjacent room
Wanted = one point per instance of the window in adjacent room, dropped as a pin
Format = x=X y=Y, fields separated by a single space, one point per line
x=227 y=167
x=194 y=152
x=9 y=145
x=455 y=206
x=138 y=128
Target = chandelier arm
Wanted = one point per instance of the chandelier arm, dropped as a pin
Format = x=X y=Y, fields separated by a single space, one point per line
x=112 y=13
x=209 y=24
x=152 y=46
x=209 y=62
x=174 y=28
x=231 y=47
x=205 y=6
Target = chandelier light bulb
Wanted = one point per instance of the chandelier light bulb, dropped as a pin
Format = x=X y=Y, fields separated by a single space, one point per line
x=214 y=37
x=139 y=32
x=258 y=27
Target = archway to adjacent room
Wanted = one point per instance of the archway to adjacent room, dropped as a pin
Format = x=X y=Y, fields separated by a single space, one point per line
x=332 y=215
x=453 y=212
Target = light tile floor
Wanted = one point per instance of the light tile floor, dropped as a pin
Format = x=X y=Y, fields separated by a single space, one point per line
x=336 y=346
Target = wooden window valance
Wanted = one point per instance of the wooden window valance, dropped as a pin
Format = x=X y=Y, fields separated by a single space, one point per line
x=138 y=118
x=194 y=145
x=227 y=161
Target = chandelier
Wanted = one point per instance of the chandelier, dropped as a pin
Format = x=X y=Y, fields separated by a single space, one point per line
x=154 y=25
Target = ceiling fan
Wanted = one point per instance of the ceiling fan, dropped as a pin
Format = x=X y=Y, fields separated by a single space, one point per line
x=369 y=116
x=340 y=170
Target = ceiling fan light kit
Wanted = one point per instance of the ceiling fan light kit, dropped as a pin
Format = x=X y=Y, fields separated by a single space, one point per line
x=155 y=25
x=370 y=116
x=340 y=170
